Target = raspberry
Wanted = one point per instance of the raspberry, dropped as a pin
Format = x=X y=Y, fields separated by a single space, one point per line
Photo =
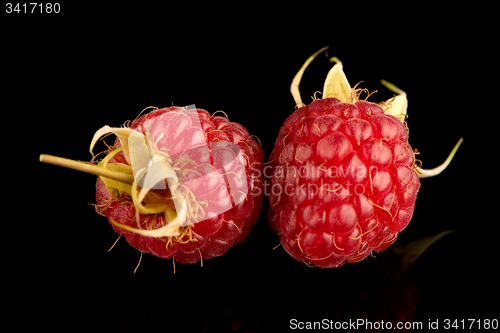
x=180 y=183
x=344 y=178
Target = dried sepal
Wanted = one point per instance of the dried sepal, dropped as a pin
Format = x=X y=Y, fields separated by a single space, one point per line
x=424 y=173
x=170 y=229
x=118 y=168
x=141 y=153
x=153 y=206
x=336 y=84
x=156 y=175
x=151 y=169
x=294 y=88
x=397 y=105
x=121 y=132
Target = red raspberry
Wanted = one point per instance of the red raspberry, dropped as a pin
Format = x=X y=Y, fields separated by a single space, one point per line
x=344 y=178
x=194 y=185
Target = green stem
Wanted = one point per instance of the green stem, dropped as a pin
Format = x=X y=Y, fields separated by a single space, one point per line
x=88 y=168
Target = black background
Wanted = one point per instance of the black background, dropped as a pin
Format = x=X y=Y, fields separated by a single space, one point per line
x=66 y=75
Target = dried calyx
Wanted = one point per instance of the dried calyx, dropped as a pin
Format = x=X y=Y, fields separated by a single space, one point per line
x=336 y=85
x=149 y=178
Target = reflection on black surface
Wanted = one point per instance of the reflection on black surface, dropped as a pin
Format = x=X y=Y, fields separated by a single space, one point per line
x=380 y=290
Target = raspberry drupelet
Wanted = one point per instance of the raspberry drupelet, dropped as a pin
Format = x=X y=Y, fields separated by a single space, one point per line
x=344 y=178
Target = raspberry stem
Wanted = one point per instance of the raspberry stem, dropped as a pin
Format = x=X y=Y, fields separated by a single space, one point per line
x=88 y=168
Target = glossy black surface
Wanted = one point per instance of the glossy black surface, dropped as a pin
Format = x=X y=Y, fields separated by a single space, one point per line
x=65 y=80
